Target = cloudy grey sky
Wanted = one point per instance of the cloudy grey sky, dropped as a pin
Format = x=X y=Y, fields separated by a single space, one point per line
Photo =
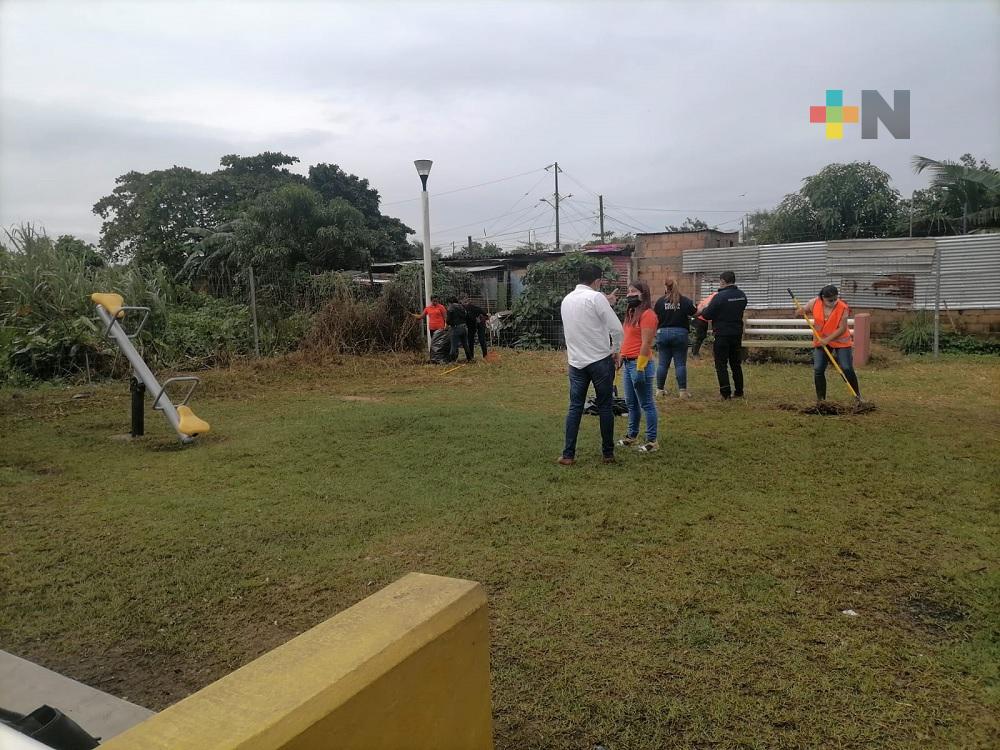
x=696 y=109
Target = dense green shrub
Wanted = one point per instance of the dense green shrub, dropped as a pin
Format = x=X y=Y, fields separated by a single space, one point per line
x=203 y=333
x=535 y=316
x=916 y=336
x=50 y=330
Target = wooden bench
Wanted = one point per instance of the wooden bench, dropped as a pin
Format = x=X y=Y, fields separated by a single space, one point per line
x=794 y=333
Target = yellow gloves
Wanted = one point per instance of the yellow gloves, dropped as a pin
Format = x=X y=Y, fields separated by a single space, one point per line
x=641 y=363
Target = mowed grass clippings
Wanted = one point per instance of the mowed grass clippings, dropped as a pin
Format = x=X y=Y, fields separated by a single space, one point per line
x=693 y=597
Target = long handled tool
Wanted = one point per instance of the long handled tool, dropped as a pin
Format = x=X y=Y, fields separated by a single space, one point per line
x=829 y=354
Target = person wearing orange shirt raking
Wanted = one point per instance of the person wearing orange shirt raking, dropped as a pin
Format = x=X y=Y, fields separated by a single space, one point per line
x=436 y=314
x=638 y=371
x=830 y=314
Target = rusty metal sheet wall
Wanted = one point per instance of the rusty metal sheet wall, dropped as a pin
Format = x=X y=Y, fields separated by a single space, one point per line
x=890 y=274
x=970 y=273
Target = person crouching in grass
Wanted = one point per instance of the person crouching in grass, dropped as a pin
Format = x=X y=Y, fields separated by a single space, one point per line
x=640 y=328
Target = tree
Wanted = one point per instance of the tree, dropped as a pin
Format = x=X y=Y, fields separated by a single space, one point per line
x=962 y=194
x=852 y=200
x=67 y=244
x=841 y=201
x=610 y=238
x=333 y=182
x=690 y=225
x=480 y=250
x=287 y=231
x=793 y=220
x=148 y=215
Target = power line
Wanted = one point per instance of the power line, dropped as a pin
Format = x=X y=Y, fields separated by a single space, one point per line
x=530 y=190
x=624 y=224
x=469 y=187
x=571 y=177
x=685 y=210
x=480 y=222
x=533 y=213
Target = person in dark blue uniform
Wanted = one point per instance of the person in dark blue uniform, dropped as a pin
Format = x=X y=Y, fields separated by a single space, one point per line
x=726 y=313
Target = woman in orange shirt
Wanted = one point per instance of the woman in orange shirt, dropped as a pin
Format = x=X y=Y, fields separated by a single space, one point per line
x=640 y=329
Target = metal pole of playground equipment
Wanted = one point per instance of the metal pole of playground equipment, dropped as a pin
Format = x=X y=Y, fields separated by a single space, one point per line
x=424 y=169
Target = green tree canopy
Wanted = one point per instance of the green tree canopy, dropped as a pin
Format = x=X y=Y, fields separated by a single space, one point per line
x=289 y=230
x=690 y=225
x=480 y=250
x=148 y=216
x=841 y=201
x=963 y=195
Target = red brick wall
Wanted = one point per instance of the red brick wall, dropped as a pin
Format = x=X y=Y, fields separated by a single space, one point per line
x=658 y=257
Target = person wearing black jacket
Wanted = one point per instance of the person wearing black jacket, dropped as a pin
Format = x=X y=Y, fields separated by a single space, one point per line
x=477 y=324
x=726 y=313
x=458 y=324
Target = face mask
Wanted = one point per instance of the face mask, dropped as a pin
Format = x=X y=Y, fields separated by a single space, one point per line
x=633 y=300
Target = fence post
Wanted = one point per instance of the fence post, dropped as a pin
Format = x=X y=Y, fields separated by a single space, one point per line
x=862 y=338
x=253 y=309
x=937 y=298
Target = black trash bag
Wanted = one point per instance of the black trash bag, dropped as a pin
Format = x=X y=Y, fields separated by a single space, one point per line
x=50 y=727
x=440 y=347
x=618 y=405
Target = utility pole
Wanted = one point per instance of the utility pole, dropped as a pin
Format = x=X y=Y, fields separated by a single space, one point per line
x=600 y=208
x=557 y=209
x=912 y=196
x=555 y=205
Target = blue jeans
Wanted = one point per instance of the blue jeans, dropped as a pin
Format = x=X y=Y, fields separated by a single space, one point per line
x=602 y=375
x=672 y=344
x=845 y=358
x=641 y=397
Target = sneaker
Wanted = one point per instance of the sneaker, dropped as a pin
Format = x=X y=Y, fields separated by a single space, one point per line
x=626 y=441
x=649 y=447
x=660 y=393
x=563 y=461
x=608 y=460
x=683 y=393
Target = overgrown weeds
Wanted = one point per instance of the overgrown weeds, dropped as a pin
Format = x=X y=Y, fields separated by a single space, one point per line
x=356 y=323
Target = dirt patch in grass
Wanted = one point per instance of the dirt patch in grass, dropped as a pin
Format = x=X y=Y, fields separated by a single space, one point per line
x=365 y=399
x=829 y=408
x=932 y=614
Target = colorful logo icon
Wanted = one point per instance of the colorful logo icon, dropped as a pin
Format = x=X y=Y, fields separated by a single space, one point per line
x=834 y=114
x=874 y=110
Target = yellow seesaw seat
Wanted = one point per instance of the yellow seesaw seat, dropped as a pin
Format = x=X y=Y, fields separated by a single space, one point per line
x=111 y=302
x=189 y=423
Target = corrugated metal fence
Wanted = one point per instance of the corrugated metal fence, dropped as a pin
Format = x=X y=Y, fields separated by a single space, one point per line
x=890 y=274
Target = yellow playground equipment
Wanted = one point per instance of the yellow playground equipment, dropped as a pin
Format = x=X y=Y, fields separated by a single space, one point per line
x=111 y=309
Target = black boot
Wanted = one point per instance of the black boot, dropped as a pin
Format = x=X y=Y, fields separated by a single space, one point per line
x=820 y=381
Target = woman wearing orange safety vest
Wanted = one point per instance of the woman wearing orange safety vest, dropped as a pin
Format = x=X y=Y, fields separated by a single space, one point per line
x=830 y=314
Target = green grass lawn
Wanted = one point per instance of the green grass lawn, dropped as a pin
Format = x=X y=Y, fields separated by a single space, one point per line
x=689 y=598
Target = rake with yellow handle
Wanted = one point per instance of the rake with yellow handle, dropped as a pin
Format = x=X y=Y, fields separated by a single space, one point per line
x=829 y=354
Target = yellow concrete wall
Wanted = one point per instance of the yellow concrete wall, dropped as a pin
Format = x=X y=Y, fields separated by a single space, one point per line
x=408 y=667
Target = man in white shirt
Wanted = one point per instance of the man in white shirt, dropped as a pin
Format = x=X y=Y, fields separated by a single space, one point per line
x=593 y=342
